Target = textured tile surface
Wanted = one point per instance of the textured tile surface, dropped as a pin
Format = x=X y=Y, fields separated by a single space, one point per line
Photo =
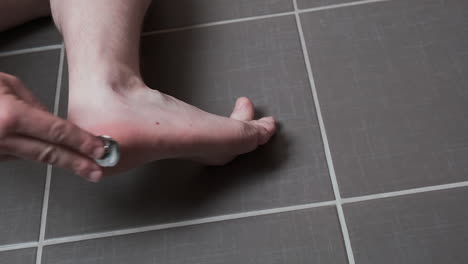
x=21 y=256
x=416 y=229
x=319 y=3
x=37 y=70
x=210 y=68
x=391 y=81
x=311 y=236
x=40 y=32
x=172 y=14
x=21 y=182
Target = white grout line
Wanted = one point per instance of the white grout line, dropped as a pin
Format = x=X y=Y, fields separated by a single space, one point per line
x=58 y=89
x=202 y=25
x=314 y=9
x=60 y=240
x=236 y=20
x=18 y=246
x=30 y=50
x=405 y=192
x=338 y=203
x=217 y=23
x=45 y=204
x=206 y=220
x=331 y=168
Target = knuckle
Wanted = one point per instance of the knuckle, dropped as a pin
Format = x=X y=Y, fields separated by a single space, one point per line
x=247 y=130
x=9 y=80
x=8 y=117
x=250 y=139
x=244 y=139
x=14 y=81
x=58 y=131
x=48 y=155
x=243 y=128
x=79 y=167
x=88 y=145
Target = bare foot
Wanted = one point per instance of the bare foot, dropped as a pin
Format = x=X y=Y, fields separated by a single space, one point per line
x=150 y=125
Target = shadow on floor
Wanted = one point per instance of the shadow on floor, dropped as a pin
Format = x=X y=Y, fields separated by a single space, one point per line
x=184 y=189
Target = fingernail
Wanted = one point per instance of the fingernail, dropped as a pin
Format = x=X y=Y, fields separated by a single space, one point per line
x=98 y=152
x=95 y=176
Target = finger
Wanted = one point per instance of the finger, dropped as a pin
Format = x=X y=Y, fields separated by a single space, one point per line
x=33 y=149
x=25 y=94
x=37 y=123
x=21 y=90
x=244 y=110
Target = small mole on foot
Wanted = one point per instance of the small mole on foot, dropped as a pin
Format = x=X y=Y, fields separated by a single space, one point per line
x=157 y=123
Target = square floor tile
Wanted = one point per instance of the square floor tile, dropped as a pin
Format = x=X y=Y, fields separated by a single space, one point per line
x=37 y=70
x=414 y=229
x=310 y=236
x=21 y=192
x=172 y=14
x=391 y=80
x=20 y=256
x=302 y=4
x=22 y=182
x=39 y=32
x=210 y=68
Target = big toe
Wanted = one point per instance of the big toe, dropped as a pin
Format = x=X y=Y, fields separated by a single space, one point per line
x=244 y=109
x=266 y=128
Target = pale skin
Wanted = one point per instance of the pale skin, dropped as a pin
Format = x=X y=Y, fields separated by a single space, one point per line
x=102 y=40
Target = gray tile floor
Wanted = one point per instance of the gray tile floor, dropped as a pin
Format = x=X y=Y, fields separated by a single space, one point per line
x=368 y=165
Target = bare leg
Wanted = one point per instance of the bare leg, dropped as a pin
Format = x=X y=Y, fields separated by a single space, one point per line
x=108 y=96
x=15 y=12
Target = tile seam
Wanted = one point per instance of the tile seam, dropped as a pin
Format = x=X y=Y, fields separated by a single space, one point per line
x=432 y=188
x=45 y=203
x=17 y=246
x=326 y=146
x=203 y=25
x=213 y=219
x=335 y=6
x=357 y=199
x=216 y=23
x=259 y=17
x=339 y=200
x=30 y=50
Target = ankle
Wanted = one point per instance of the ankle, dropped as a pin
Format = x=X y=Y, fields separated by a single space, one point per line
x=117 y=78
x=122 y=81
x=100 y=90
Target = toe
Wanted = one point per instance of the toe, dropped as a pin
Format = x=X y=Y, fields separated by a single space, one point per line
x=266 y=128
x=244 y=109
